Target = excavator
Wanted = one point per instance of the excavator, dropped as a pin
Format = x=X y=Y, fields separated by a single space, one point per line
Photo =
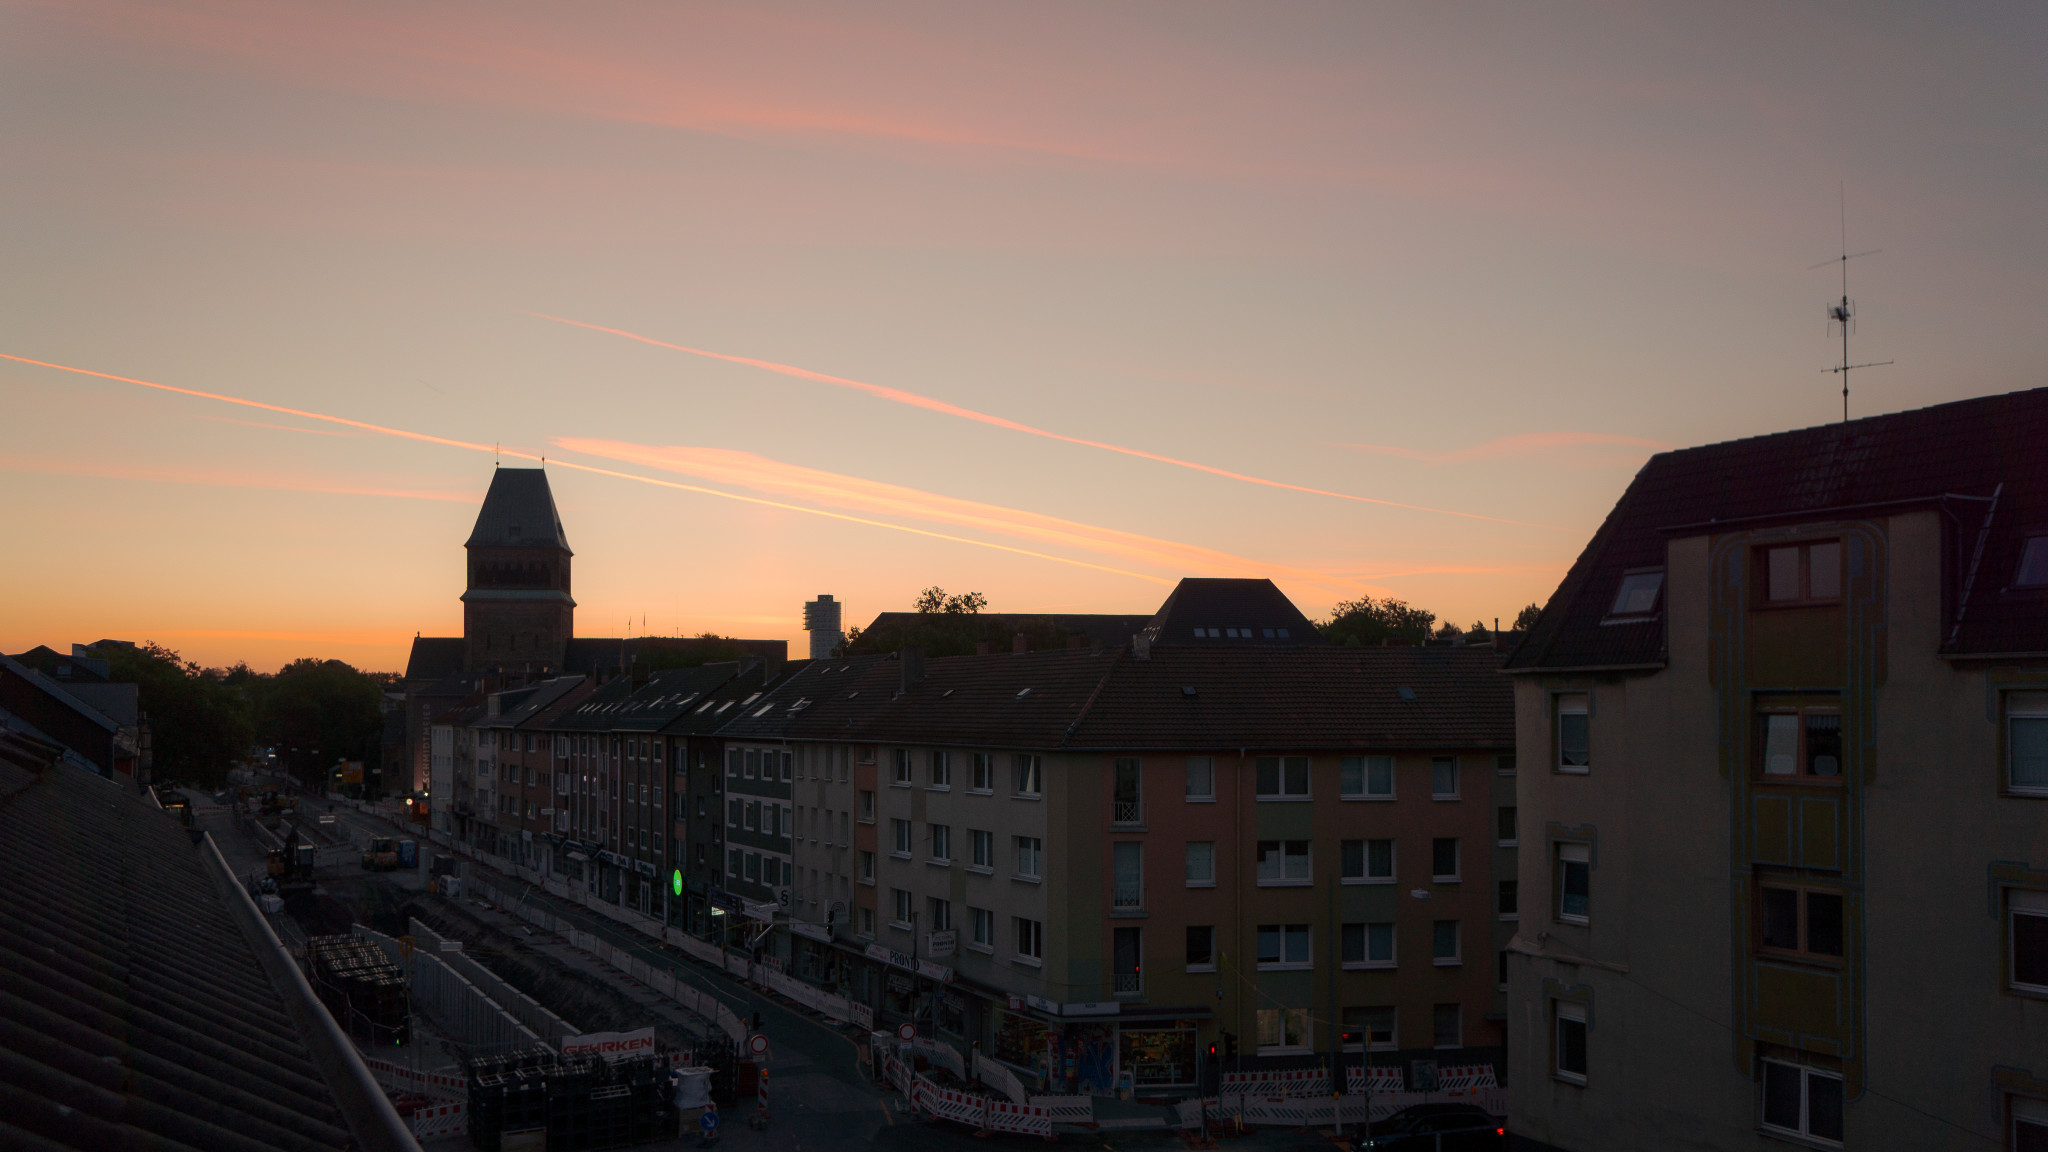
x=291 y=866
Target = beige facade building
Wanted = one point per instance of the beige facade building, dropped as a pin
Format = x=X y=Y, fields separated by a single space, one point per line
x=1783 y=799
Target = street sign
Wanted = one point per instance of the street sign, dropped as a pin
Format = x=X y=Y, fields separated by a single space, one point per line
x=906 y=1031
x=757 y=1044
x=709 y=1120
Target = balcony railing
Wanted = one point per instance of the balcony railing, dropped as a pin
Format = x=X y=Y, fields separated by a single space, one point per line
x=1128 y=983
x=1127 y=896
x=1128 y=812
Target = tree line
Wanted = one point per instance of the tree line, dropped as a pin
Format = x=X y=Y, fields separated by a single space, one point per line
x=204 y=721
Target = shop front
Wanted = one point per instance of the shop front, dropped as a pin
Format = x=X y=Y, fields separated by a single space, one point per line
x=1097 y=1057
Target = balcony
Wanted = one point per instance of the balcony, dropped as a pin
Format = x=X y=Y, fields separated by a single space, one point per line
x=1127 y=897
x=1128 y=983
x=1127 y=812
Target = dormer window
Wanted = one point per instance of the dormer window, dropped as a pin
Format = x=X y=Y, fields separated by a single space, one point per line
x=1800 y=573
x=2033 y=572
x=1639 y=593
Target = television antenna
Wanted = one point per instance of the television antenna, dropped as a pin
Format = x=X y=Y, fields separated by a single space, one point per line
x=1842 y=315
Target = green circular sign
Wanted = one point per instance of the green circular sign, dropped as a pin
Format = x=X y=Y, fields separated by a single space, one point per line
x=675 y=882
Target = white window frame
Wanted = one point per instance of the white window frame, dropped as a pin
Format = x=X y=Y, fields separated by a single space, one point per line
x=1030 y=850
x=1201 y=966
x=1366 y=961
x=981 y=849
x=1207 y=769
x=1806 y=1073
x=1028 y=774
x=940 y=839
x=1457 y=858
x=903 y=904
x=1360 y=770
x=1459 y=1040
x=1436 y=790
x=1204 y=852
x=1306 y=932
x=938 y=770
x=984 y=774
x=1281 y=877
x=2030 y=706
x=902 y=839
x=1457 y=957
x=2032 y=904
x=1282 y=764
x=1030 y=941
x=1579 y=704
x=982 y=926
x=1563 y=1012
x=1564 y=853
x=902 y=773
x=1305 y=1033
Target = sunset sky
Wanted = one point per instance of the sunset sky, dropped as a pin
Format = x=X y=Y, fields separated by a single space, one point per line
x=1054 y=302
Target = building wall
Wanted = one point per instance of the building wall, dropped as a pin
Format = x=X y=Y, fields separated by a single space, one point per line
x=1681 y=1005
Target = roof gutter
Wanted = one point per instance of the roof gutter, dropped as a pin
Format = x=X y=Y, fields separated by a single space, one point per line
x=371 y=1118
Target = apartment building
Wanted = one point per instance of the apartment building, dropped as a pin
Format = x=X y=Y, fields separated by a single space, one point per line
x=1784 y=756
x=1095 y=861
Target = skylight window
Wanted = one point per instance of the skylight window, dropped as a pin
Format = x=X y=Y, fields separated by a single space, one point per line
x=703 y=706
x=1023 y=692
x=2033 y=571
x=1407 y=694
x=750 y=699
x=765 y=709
x=1638 y=594
x=722 y=708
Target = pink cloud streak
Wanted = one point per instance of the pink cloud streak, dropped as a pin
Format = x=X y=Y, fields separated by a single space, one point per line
x=1506 y=447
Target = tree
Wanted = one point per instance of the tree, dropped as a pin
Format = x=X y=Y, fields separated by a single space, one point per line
x=198 y=718
x=1367 y=622
x=1526 y=618
x=935 y=600
x=1478 y=633
x=315 y=713
x=699 y=650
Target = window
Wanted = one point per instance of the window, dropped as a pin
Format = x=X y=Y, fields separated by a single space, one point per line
x=1201 y=864
x=1127 y=798
x=867 y=807
x=1201 y=778
x=1366 y=778
x=984 y=771
x=983 y=923
x=942 y=842
x=1351 y=861
x=900 y=770
x=2026 y=739
x=867 y=921
x=1367 y=945
x=1029 y=851
x=752 y=820
x=1572 y=732
x=1283 y=946
x=983 y=848
x=2029 y=1122
x=1638 y=594
x=1127 y=875
x=1375 y=1024
x=1030 y=939
x=1800 y=573
x=1803 y=922
x=1445 y=944
x=1504 y=764
x=732 y=763
x=1449 y=1020
x=1800 y=742
x=732 y=813
x=940 y=915
x=940 y=769
x=2027 y=926
x=753 y=762
x=1283 y=862
x=1201 y=948
x=1507 y=900
x=1283 y=777
x=785 y=758
x=1379 y=861
x=1281 y=1029
x=867 y=866
x=902 y=907
x=1574 y=879
x=1568 y=1053
x=1504 y=826
x=1030 y=775
x=1802 y=1101
x=2033 y=569
x=754 y=866
x=900 y=830
x=1443 y=859
x=1127 y=961
x=1443 y=778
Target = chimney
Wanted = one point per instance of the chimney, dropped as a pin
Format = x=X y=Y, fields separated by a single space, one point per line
x=912 y=666
x=1019 y=643
x=1141 y=647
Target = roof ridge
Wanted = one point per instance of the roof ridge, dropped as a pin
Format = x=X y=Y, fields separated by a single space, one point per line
x=1089 y=704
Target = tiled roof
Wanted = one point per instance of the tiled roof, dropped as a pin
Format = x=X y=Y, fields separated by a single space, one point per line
x=1248 y=697
x=1322 y=697
x=518 y=512
x=434 y=658
x=1951 y=456
x=133 y=1012
x=1098 y=628
x=617 y=706
x=595 y=653
x=1216 y=613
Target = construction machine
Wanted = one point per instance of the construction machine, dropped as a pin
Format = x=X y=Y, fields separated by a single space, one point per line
x=382 y=855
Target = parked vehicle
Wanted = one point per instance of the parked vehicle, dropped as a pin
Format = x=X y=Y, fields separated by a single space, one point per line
x=1436 y=1128
x=382 y=855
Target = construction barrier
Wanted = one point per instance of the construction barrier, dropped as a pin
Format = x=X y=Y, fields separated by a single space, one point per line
x=450 y=1118
x=980 y=1112
x=1290 y=1082
x=1465 y=1077
x=1309 y=1111
x=1067 y=1109
x=1359 y=1079
x=997 y=1076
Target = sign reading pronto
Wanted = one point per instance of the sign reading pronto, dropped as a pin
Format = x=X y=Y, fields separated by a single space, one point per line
x=611 y=1045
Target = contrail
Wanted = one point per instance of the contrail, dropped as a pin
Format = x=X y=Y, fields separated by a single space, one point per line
x=424 y=438
x=928 y=403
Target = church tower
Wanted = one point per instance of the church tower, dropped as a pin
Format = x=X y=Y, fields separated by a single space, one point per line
x=517 y=613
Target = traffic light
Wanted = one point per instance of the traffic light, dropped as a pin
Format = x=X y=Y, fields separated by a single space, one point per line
x=1229 y=1046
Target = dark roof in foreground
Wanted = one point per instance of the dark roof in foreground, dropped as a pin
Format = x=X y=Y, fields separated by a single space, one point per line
x=133 y=1011
x=1210 y=612
x=1956 y=457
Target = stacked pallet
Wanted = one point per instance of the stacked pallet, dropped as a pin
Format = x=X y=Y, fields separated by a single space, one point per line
x=361 y=987
x=582 y=1102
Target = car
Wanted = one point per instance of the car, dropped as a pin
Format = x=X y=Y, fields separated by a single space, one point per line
x=1436 y=1128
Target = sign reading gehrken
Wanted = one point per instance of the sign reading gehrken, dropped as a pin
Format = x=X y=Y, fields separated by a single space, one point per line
x=611 y=1045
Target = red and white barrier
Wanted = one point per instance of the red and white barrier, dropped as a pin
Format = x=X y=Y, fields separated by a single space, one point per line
x=1293 y=1082
x=405 y=1079
x=450 y=1119
x=983 y=1113
x=1359 y=1080
x=1465 y=1077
